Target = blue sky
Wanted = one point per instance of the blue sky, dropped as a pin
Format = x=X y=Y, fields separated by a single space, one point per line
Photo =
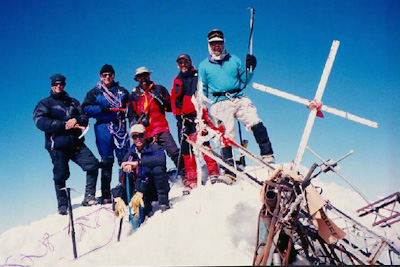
x=291 y=42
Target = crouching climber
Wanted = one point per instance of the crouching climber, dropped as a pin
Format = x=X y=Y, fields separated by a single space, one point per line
x=145 y=174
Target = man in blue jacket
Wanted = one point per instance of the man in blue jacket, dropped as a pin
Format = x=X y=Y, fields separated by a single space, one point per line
x=107 y=103
x=223 y=78
x=61 y=118
x=145 y=163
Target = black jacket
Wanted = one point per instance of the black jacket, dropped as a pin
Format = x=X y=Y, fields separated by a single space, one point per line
x=50 y=115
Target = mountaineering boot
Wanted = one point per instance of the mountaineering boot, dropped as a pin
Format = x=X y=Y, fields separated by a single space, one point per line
x=164 y=207
x=229 y=177
x=161 y=184
x=106 y=173
x=221 y=179
x=62 y=199
x=226 y=179
x=63 y=210
x=164 y=203
x=89 y=200
x=261 y=135
x=213 y=172
x=91 y=180
x=213 y=179
x=190 y=180
x=269 y=159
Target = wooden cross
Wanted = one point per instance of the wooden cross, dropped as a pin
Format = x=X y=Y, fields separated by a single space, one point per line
x=317 y=99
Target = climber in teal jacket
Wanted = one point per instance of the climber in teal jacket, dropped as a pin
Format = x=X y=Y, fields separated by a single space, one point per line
x=223 y=79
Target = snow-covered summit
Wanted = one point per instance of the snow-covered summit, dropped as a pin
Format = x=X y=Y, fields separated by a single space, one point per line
x=214 y=225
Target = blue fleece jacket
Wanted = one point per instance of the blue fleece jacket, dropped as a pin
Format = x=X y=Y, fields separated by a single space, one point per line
x=223 y=75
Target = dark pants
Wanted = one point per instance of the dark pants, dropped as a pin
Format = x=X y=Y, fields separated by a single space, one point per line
x=166 y=141
x=189 y=128
x=160 y=179
x=81 y=156
x=107 y=144
x=261 y=135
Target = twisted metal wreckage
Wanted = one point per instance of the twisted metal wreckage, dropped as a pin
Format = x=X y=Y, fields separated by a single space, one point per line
x=295 y=222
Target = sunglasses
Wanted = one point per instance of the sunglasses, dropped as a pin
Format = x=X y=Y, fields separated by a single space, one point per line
x=216 y=43
x=182 y=62
x=142 y=75
x=136 y=136
x=105 y=75
x=58 y=84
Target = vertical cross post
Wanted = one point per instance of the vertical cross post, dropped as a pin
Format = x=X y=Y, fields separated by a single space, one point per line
x=317 y=102
x=313 y=112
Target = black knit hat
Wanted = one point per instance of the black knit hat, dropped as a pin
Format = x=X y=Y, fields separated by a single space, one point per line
x=107 y=68
x=57 y=78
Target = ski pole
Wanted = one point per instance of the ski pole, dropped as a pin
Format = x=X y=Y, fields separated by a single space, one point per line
x=241 y=160
x=122 y=218
x=129 y=199
x=250 y=46
x=120 y=229
x=71 y=220
x=250 y=51
x=183 y=130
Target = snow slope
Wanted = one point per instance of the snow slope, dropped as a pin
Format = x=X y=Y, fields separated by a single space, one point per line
x=214 y=225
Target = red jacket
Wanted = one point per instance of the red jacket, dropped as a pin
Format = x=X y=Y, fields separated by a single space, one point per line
x=183 y=87
x=149 y=107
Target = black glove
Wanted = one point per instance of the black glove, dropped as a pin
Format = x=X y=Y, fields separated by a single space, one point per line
x=251 y=61
x=121 y=115
x=145 y=121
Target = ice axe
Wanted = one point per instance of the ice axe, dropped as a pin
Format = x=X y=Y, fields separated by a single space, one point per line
x=84 y=129
x=71 y=220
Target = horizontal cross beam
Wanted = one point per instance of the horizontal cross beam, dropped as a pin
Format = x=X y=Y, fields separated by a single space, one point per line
x=306 y=102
